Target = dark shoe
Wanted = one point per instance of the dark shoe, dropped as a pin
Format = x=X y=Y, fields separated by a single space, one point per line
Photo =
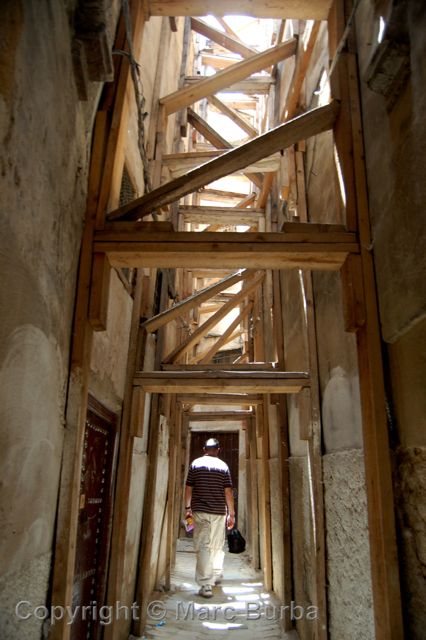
x=206 y=591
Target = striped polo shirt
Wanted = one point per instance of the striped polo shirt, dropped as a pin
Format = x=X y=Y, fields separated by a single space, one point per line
x=209 y=476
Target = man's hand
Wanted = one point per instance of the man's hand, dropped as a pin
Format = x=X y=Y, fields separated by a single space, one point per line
x=230 y=521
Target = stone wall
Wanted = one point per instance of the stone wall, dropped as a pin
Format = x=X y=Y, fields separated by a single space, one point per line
x=350 y=612
x=43 y=160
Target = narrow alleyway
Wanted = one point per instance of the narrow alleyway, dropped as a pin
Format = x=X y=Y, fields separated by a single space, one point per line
x=239 y=604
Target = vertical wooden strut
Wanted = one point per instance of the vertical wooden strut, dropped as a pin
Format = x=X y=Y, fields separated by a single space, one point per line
x=380 y=502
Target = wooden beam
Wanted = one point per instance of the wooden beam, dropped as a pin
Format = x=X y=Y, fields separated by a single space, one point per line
x=238 y=71
x=226 y=215
x=216 y=366
x=225 y=40
x=252 y=86
x=199 y=333
x=221 y=399
x=222 y=196
x=287 y=134
x=99 y=292
x=378 y=465
x=215 y=416
x=228 y=332
x=227 y=250
x=203 y=127
x=233 y=115
x=221 y=382
x=197 y=298
x=227 y=28
x=303 y=58
x=315 y=9
x=178 y=164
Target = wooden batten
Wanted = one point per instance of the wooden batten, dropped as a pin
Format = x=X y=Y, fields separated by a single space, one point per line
x=99 y=292
x=283 y=136
x=225 y=40
x=238 y=71
x=224 y=399
x=353 y=293
x=316 y=10
x=221 y=382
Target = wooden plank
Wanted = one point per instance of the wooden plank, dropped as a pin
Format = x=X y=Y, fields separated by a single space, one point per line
x=225 y=40
x=99 y=292
x=265 y=497
x=217 y=61
x=240 y=70
x=218 y=416
x=301 y=192
x=378 y=467
x=203 y=127
x=303 y=58
x=253 y=86
x=252 y=493
x=304 y=126
x=228 y=250
x=227 y=215
x=180 y=164
x=216 y=366
x=197 y=298
x=242 y=399
x=353 y=293
x=77 y=398
x=199 y=333
x=315 y=10
x=220 y=382
x=232 y=115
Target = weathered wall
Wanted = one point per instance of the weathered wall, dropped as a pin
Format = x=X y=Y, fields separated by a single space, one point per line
x=348 y=551
x=43 y=161
x=395 y=144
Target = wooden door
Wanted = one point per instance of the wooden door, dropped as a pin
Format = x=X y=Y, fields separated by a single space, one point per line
x=229 y=452
x=95 y=520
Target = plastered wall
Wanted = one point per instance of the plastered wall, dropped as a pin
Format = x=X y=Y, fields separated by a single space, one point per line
x=43 y=166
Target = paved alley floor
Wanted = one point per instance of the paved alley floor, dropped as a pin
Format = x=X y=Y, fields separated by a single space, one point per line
x=239 y=608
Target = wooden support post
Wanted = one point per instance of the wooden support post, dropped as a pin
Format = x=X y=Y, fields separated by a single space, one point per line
x=265 y=496
x=353 y=293
x=99 y=292
x=378 y=471
x=254 y=513
x=66 y=535
x=146 y=579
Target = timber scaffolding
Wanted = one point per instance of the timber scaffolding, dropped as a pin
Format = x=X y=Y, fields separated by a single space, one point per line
x=242 y=242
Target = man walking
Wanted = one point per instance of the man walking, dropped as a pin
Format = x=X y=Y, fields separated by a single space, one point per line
x=209 y=499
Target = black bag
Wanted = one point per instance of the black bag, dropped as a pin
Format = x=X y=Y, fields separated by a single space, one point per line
x=236 y=542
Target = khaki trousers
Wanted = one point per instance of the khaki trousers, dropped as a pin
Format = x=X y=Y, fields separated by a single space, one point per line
x=209 y=538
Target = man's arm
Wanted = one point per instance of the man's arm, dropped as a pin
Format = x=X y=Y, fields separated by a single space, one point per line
x=188 y=498
x=229 y=497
